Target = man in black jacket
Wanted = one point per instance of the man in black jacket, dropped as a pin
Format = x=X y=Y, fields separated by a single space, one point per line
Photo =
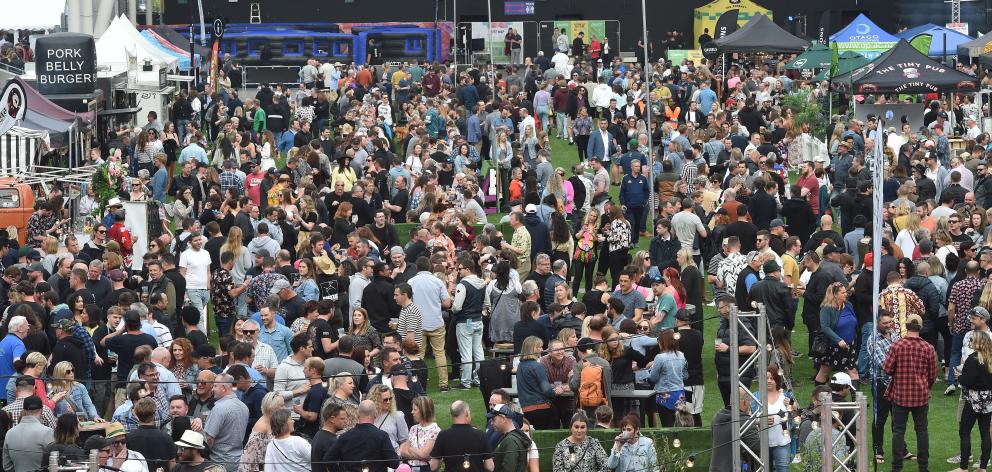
x=365 y=447
x=377 y=298
x=68 y=347
x=762 y=205
x=777 y=298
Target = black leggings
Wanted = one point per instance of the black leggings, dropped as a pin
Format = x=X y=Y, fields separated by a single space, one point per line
x=582 y=270
x=618 y=260
x=581 y=141
x=968 y=419
x=667 y=417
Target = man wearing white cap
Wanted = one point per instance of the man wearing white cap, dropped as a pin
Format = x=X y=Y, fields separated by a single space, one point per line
x=190 y=454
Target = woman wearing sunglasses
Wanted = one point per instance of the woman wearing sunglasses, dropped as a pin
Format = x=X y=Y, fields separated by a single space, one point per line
x=77 y=398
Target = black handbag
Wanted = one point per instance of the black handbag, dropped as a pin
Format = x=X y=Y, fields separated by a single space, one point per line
x=820 y=347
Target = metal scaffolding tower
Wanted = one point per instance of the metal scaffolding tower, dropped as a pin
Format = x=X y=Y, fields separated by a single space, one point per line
x=854 y=427
x=754 y=326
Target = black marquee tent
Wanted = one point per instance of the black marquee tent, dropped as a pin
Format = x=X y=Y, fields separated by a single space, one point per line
x=905 y=70
x=760 y=34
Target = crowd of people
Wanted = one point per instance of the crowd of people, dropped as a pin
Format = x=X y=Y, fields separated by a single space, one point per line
x=338 y=232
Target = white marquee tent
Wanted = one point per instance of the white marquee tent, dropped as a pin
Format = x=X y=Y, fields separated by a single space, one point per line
x=121 y=41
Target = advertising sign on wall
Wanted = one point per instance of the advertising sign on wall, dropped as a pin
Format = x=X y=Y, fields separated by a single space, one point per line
x=65 y=63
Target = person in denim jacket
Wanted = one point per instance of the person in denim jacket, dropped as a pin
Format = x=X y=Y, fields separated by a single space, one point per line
x=668 y=374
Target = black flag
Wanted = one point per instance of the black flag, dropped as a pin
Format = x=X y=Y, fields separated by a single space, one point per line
x=823 y=31
x=726 y=24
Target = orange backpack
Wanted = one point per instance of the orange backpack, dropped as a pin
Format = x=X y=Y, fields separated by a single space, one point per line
x=591 y=386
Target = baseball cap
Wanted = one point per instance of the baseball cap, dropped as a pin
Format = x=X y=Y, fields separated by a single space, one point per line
x=65 y=324
x=32 y=403
x=278 y=286
x=398 y=369
x=116 y=275
x=34 y=255
x=980 y=312
x=914 y=318
x=500 y=409
x=531 y=208
x=770 y=267
x=841 y=378
x=830 y=249
x=36 y=267
x=24 y=251
x=517 y=202
x=777 y=223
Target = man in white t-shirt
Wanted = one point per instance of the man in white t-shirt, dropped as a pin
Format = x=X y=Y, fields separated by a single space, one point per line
x=194 y=265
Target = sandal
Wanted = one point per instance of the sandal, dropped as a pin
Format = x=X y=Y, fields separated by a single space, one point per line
x=909 y=456
x=879 y=458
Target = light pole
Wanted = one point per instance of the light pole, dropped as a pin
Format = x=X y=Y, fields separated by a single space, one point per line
x=647 y=110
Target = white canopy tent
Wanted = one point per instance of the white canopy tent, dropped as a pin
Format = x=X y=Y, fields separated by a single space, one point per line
x=121 y=42
x=37 y=14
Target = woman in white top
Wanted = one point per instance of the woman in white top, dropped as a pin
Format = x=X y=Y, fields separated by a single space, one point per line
x=413 y=162
x=779 y=401
x=269 y=151
x=906 y=239
x=387 y=418
x=286 y=453
x=417 y=451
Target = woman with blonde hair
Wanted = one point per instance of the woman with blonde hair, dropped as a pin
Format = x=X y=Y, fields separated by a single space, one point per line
x=261 y=434
x=243 y=261
x=344 y=392
x=76 y=398
x=692 y=281
x=838 y=325
x=584 y=256
x=906 y=239
x=536 y=394
x=388 y=419
x=976 y=383
x=51 y=250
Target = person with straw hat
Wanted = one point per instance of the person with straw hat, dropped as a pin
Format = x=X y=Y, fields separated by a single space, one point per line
x=191 y=452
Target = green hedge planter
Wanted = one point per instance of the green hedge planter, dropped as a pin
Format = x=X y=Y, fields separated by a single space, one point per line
x=670 y=458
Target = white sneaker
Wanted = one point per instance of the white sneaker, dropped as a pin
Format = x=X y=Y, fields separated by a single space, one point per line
x=954 y=460
x=950 y=390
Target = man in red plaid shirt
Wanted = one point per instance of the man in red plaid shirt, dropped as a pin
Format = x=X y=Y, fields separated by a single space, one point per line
x=912 y=363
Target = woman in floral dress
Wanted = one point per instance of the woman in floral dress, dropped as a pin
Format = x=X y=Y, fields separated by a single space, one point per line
x=578 y=452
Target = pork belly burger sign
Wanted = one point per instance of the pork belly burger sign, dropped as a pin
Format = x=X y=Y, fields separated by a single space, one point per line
x=65 y=64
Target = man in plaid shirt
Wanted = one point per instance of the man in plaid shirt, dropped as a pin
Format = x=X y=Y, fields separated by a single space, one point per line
x=912 y=363
x=885 y=336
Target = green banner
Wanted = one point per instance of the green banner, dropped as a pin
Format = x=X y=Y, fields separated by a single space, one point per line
x=591 y=28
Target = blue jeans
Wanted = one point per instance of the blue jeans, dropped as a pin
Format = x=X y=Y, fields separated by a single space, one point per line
x=561 y=122
x=544 y=115
x=181 y=129
x=199 y=297
x=957 y=341
x=781 y=457
x=241 y=305
x=223 y=324
x=469 y=335
x=864 y=364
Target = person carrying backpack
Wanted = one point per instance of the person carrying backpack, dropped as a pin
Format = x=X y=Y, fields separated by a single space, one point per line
x=592 y=377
